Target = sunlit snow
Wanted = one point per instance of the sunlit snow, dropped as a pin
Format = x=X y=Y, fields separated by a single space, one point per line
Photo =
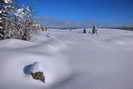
x=69 y=60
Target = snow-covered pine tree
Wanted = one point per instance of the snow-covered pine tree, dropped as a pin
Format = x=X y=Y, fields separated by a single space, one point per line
x=25 y=22
x=2 y=12
x=6 y=8
x=15 y=22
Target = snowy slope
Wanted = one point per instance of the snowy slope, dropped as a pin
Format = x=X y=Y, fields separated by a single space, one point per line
x=69 y=60
x=15 y=55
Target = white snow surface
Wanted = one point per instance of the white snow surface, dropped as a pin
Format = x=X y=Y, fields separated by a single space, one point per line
x=69 y=60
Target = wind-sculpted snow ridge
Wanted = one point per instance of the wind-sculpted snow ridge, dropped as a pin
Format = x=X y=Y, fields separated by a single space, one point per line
x=15 y=55
x=14 y=43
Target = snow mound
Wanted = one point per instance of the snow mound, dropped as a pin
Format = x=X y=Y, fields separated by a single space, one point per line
x=32 y=68
x=45 y=56
x=14 y=43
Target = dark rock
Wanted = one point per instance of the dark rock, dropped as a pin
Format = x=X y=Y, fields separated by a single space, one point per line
x=38 y=76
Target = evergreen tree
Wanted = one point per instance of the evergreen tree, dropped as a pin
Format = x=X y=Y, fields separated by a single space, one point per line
x=94 y=30
x=15 y=22
x=84 y=30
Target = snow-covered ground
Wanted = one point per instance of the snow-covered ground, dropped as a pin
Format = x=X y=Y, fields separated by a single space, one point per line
x=69 y=60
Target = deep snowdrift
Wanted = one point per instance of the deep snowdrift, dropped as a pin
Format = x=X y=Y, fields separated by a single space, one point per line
x=69 y=60
x=16 y=54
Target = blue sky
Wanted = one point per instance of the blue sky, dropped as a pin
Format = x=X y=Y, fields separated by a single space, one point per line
x=101 y=12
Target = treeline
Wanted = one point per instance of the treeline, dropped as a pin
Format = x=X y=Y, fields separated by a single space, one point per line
x=126 y=28
x=122 y=28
